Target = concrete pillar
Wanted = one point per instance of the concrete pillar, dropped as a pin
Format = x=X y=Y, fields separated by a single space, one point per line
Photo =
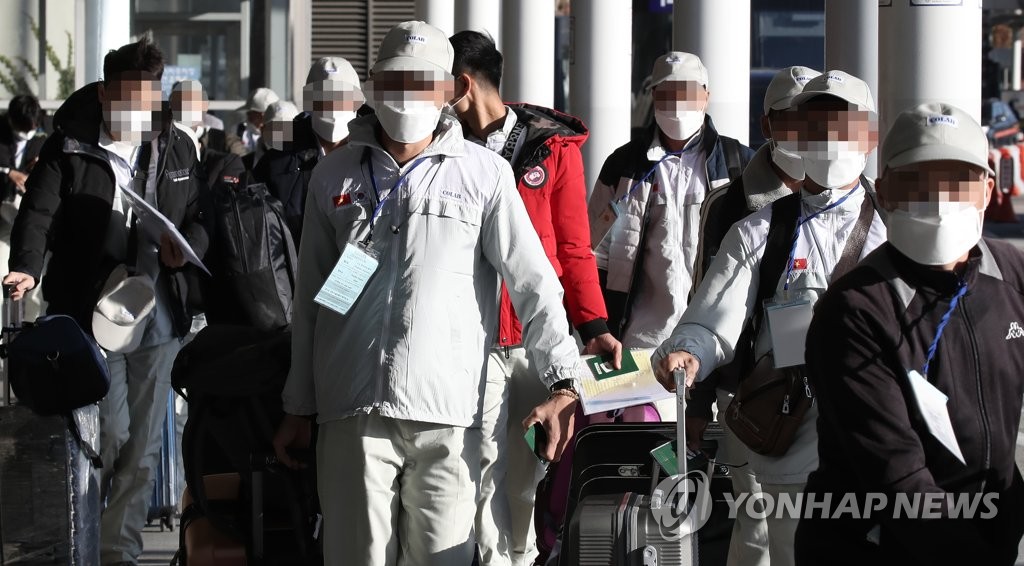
x=528 y=30
x=438 y=13
x=719 y=33
x=480 y=15
x=851 y=45
x=277 y=54
x=1018 y=45
x=599 y=73
x=928 y=53
x=299 y=14
x=108 y=25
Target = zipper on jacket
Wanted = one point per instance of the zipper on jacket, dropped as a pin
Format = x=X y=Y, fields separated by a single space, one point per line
x=392 y=277
x=238 y=229
x=981 y=399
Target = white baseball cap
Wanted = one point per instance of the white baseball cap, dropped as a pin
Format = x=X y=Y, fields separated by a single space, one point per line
x=679 y=66
x=119 y=319
x=840 y=85
x=282 y=110
x=332 y=69
x=259 y=99
x=786 y=84
x=415 y=46
x=935 y=132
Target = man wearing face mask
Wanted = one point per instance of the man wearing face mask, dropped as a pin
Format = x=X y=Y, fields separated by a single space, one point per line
x=542 y=145
x=934 y=314
x=247 y=135
x=277 y=120
x=407 y=230
x=809 y=239
x=771 y=174
x=20 y=143
x=105 y=145
x=330 y=99
x=188 y=109
x=645 y=208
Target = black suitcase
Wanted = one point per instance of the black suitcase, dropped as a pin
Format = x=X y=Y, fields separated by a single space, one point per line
x=163 y=506
x=49 y=489
x=613 y=518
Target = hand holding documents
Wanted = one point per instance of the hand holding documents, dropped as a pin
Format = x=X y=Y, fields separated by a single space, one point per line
x=605 y=388
x=155 y=225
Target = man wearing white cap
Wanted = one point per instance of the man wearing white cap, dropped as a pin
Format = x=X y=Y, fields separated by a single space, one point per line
x=771 y=174
x=755 y=302
x=645 y=208
x=407 y=230
x=330 y=99
x=917 y=363
x=249 y=131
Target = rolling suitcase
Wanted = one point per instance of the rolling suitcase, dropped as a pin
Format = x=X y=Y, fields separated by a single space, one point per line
x=49 y=488
x=652 y=526
x=164 y=505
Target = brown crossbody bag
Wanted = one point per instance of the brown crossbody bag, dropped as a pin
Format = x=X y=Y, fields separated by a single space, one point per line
x=771 y=403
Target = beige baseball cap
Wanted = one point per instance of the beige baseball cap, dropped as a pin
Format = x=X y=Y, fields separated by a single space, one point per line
x=282 y=110
x=415 y=46
x=679 y=66
x=332 y=69
x=839 y=84
x=119 y=319
x=786 y=84
x=259 y=99
x=935 y=132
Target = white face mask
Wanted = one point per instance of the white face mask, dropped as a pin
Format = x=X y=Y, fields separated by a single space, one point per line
x=790 y=163
x=131 y=126
x=679 y=124
x=831 y=164
x=25 y=136
x=332 y=126
x=410 y=121
x=938 y=238
x=190 y=117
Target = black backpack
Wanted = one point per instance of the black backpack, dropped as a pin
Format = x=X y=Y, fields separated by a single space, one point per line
x=252 y=258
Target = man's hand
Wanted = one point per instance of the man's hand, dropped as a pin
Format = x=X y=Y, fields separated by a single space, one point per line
x=677 y=361
x=22 y=282
x=18 y=178
x=557 y=415
x=695 y=427
x=170 y=254
x=294 y=432
x=605 y=344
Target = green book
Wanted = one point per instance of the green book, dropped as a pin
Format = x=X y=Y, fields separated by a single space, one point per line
x=602 y=366
x=666 y=457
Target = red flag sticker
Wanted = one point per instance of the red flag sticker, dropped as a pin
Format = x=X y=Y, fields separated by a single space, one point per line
x=342 y=200
x=800 y=263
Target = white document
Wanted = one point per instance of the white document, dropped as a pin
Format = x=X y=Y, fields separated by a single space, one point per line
x=787 y=325
x=932 y=404
x=347 y=280
x=155 y=225
x=637 y=387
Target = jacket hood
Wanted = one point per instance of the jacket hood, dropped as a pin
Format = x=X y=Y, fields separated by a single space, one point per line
x=81 y=115
x=545 y=123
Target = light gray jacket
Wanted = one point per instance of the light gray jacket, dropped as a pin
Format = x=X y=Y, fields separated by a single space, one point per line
x=413 y=345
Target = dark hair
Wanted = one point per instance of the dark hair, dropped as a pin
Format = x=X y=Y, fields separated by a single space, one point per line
x=24 y=112
x=142 y=55
x=475 y=54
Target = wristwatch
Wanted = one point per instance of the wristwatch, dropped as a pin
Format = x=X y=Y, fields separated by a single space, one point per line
x=5 y=170
x=569 y=384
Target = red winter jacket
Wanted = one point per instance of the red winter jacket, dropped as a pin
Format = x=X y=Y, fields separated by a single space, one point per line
x=549 y=173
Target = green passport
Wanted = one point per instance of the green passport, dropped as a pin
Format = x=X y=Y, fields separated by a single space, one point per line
x=602 y=366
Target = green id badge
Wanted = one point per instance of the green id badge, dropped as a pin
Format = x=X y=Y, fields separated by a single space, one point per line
x=666 y=457
x=602 y=368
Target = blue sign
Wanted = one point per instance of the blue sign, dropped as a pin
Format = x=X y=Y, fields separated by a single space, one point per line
x=176 y=73
x=660 y=6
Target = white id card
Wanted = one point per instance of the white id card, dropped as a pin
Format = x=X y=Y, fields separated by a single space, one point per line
x=787 y=325
x=347 y=279
x=932 y=404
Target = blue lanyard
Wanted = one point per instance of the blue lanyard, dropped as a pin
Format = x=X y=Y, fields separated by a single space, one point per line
x=646 y=176
x=395 y=189
x=796 y=233
x=960 y=292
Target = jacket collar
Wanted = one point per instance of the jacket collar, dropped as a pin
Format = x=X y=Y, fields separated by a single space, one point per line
x=448 y=139
x=979 y=262
x=761 y=184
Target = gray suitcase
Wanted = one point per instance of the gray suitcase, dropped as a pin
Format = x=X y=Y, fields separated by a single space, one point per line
x=630 y=529
x=49 y=490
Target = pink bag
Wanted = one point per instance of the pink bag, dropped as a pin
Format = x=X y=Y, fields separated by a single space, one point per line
x=553 y=492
